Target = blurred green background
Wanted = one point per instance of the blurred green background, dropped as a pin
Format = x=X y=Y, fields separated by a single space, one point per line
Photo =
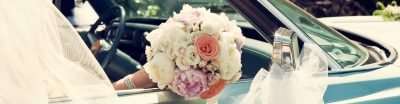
x=318 y=8
x=329 y=8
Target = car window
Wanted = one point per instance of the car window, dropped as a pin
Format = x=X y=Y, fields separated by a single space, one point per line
x=346 y=53
x=163 y=9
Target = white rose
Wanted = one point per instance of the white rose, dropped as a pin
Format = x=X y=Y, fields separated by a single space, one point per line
x=160 y=70
x=223 y=17
x=169 y=20
x=211 y=24
x=202 y=10
x=193 y=36
x=229 y=61
x=181 y=63
x=233 y=28
x=228 y=38
x=236 y=77
x=213 y=66
x=202 y=63
x=163 y=38
x=176 y=32
x=188 y=9
x=196 y=26
x=172 y=32
x=191 y=57
x=170 y=53
x=179 y=48
x=149 y=53
x=171 y=24
x=154 y=38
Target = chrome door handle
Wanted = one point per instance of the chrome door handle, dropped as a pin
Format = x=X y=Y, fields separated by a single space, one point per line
x=285 y=48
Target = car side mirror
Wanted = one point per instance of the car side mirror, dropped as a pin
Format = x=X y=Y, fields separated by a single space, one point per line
x=285 y=48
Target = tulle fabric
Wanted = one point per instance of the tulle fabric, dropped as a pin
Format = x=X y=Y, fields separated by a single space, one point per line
x=305 y=85
x=42 y=57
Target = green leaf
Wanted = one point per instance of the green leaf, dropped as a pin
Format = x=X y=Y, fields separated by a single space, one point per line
x=377 y=12
x=380 y=5
x=394 y=3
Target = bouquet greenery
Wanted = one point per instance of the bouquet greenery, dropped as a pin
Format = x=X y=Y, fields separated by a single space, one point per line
x=390 y=13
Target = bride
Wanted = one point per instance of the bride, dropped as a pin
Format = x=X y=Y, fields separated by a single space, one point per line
x=43 y=57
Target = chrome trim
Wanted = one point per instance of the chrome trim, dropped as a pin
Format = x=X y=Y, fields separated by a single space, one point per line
x=392 y=58
x=285 y=48
x=332 y=63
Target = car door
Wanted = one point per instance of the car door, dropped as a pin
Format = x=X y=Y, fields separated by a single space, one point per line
x=350 y=80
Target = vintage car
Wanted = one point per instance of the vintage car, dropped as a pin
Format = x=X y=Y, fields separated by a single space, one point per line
x=361 y=51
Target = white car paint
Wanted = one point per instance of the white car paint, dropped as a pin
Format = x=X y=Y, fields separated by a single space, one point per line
x=375 y=27
x=378 y=29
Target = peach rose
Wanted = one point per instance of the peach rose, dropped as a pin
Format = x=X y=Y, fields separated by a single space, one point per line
x=207 y=47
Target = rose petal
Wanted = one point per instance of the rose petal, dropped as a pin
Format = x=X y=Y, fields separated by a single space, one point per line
x=207 y=47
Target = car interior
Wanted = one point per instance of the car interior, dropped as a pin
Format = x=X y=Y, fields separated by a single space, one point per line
x=122 y=53
x=131 y=49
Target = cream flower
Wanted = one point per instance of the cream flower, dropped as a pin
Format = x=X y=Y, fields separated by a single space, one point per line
x=202 y=63
x=154 y=38
x=179 y=48
x=228 y=38
x=171 y=32
x=170 y=53
x=149 y=53
x=181 y=63
x=212 y=66
x=231 y=27
x=211 y=24
x=236 y=77
x=189 y=15
x=196 y=26
x=229 y=61
x=191 y=57
x=160 y=70
x=194 y=35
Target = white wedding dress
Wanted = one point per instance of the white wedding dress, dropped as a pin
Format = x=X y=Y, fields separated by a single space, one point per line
x=42 y=57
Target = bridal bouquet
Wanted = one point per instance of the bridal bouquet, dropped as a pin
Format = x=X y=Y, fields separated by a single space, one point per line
x=195 y=53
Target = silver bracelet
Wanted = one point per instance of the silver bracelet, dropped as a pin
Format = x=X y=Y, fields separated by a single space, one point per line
x=128 y=81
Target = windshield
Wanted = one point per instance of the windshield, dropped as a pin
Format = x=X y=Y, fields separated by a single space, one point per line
x=163 y=9
x=344 y=51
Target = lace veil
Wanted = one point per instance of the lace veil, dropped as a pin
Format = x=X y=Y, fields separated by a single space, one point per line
x=42 y=57
x=306 y=85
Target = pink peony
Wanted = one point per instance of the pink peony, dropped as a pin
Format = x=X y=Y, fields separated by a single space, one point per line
x=239 y=43
x=188 y=18
x=207 y=47
x=190 y=83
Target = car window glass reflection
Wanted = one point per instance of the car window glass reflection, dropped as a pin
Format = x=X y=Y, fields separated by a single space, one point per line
x=345 y=52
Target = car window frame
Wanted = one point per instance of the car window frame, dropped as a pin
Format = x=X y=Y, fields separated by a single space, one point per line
x=281 y=19
x=391 y=59
x=330 y=31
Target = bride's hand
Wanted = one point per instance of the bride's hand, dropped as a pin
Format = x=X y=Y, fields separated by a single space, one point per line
x=139 y=79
